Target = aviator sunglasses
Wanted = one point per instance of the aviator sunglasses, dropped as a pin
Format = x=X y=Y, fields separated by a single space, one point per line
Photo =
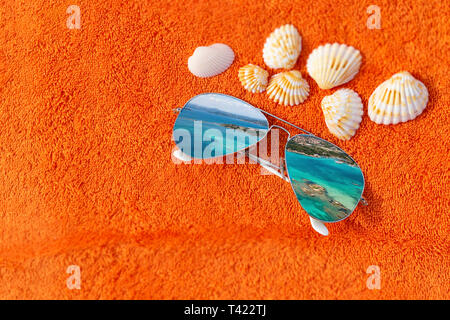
x=327 y=182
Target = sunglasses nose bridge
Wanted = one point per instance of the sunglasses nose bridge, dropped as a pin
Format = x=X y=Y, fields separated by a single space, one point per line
x=279 y=127
x=284 y=121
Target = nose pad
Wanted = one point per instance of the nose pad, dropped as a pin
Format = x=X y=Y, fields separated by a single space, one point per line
x=181 y=156
x=319 y=226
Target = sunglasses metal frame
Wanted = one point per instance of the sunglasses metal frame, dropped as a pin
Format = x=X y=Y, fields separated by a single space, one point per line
x=317 y=224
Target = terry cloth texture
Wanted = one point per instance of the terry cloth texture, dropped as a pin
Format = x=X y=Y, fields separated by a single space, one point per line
x=86 y=176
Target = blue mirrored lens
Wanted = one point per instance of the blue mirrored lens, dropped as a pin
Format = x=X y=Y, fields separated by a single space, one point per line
x=326 y=180
x=213 y=125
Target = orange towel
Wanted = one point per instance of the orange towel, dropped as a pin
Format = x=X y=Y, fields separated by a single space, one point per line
x=86 y=176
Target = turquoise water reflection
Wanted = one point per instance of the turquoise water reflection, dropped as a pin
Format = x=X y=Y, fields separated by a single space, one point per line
x=327 y=182
x=212 y=125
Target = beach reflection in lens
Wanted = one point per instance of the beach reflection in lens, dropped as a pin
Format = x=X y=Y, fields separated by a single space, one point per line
x=218 y=125
x=326 y=180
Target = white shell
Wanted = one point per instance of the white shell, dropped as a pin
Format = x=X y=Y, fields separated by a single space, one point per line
x=210 y=61
x=282 y=47
x=343 y=112
x=333 y=64
x=288 y=88
x=399 y=99
x=253 y=78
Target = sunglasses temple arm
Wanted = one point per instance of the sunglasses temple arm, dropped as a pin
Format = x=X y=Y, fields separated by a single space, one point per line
x=269 y=166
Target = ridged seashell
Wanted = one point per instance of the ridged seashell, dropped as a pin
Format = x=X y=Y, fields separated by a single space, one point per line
x=343 y=112
x=333 y=64
x=210 y=61
x=288 y=88
x=399 y=99
x=282 y=47
x=253 y=78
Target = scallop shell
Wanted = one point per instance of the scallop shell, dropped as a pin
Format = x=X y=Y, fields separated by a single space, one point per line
x=288 y=88
x=343 y=112
x=333 y=64
x=210 y=61
x=282 y=47
x=399 y=99
x=253 y=78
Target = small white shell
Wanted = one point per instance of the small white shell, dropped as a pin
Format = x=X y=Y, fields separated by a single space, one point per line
x=343 y=112
x=210 y=61
x=399 y=99
x=253 y=78
x=288 y=88
x=282 y=47
x=333 y=64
